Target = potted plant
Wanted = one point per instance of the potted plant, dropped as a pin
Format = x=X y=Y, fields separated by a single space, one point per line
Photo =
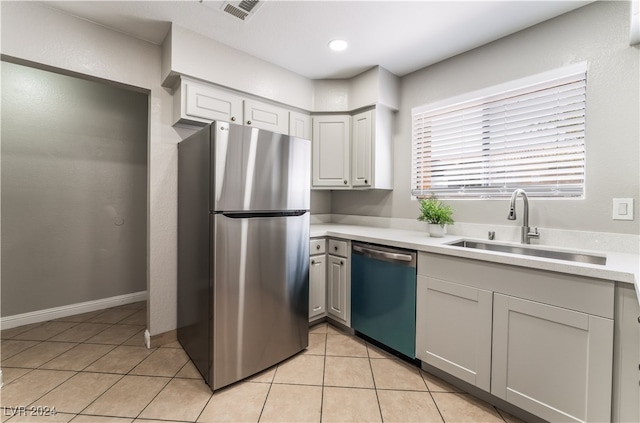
x=436 y=214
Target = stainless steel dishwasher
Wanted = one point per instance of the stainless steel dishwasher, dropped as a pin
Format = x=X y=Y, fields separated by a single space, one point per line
x=383 y=296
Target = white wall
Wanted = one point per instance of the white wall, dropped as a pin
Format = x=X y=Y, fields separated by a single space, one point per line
x=39 y=34
x=597 y=33
x=189 y=53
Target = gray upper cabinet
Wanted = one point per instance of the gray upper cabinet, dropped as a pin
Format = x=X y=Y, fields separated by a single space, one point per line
x=353 y=152
x=199 y=103
x=331 y=149
x=362 y=133
x=300 y=125
x=372 y=149
x=266 y=116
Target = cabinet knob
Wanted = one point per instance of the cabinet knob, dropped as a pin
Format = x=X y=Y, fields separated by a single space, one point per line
x=638 y=319
x=313 y=262
x=341 y=263
x=248 y=122
x=318 y=247
x=335 y=248
x=345 y=182
x=233 y=118
x=366 y=182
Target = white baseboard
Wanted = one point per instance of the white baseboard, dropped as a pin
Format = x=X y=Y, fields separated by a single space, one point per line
x=16 y=320
x=147 y=339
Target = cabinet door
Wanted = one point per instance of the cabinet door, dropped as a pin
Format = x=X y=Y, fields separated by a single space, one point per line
x=453 y=329
x=331 y=151
x=266 y=116
x=553 y=362
x=361 y=145
x=203 y=102
x=337 y=287
x=317 y=286
x=300 y=125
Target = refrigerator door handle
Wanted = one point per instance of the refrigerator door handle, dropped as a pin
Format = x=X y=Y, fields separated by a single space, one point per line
x=247 y=215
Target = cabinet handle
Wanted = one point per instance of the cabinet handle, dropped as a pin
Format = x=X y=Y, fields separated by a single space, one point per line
x=638 y=319
x=345 y=182
x=318 y=247
x=233 y=118
x=248 y=122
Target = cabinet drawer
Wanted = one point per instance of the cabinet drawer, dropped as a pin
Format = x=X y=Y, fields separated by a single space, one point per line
x=317 y=246
x=338 y=248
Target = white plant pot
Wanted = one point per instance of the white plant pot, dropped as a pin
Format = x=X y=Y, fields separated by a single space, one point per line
x=437 y=230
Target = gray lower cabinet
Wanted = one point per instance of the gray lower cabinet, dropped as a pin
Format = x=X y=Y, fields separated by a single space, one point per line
x=317 y=286
x=330 y=280
x=317 y=278
x=454 y=323
x=336 y=287
x=339 y=281
x=542 y=341
x=553 y=362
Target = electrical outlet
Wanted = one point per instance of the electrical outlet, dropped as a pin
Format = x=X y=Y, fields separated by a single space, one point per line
x=623 y=209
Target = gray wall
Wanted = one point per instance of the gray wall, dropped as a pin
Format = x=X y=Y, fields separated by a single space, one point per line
x=320 y=202
x=597 y=33
x=74 y=190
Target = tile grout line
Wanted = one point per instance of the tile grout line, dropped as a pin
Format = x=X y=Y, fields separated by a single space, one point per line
x=55 y=387
x=83 y=369
x=375 y=388
x=27 y=349
x=155 y=396
x=99 y=396
x=324 y=367
x=266 y=397
x=431 y=395
x=174 y=377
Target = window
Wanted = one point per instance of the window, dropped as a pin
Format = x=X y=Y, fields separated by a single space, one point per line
x=525 y=134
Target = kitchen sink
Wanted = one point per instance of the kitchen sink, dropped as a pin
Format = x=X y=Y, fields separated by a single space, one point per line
x=532 y=251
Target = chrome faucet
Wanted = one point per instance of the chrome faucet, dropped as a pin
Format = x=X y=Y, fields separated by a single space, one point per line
x=526 y=234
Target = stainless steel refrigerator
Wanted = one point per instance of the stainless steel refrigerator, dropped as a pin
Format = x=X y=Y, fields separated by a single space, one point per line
x=243 y=249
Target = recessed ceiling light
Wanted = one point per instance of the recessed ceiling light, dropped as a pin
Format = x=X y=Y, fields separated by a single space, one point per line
x=338 y=45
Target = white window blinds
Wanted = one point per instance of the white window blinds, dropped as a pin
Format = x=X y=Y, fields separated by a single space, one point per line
x=525 y=134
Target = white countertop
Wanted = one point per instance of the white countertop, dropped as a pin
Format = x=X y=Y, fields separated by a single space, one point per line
x=620 y=267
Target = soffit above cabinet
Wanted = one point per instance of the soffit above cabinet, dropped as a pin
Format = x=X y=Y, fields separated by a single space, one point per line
x=187 y=53
x=402 y=36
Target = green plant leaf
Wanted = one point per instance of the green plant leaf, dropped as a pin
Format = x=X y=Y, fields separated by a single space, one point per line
x=433 y=210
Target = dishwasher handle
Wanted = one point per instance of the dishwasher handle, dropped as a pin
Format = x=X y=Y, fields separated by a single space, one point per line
x=385 y=255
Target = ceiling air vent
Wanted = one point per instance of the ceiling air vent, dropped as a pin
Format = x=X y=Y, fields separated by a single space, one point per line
x=242 y=10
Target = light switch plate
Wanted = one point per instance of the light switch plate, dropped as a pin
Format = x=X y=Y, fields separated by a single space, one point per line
x=623 y=209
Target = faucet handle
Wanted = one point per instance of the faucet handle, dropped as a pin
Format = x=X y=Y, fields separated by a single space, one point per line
x=534 y=234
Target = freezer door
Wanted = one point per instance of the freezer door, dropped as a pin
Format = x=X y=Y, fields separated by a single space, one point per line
x=261 y=293
x=259 y=170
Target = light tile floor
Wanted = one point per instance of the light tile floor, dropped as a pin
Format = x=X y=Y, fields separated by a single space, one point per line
x=94 y=368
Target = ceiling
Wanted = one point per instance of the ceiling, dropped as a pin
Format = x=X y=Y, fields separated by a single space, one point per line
x=401 y=36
